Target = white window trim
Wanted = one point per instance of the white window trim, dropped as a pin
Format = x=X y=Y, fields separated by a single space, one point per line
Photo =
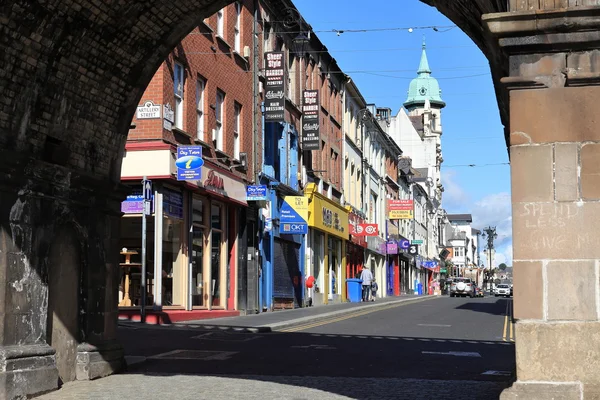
x=236 y=130
x=179 y=93
x=238 y=27
x=221 y=23
x=200 y=122
x=219 y=117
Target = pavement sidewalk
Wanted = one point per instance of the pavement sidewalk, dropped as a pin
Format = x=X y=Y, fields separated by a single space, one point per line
x=277 y=320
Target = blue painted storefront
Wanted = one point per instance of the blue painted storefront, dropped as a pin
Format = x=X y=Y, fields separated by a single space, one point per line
x=282 y=278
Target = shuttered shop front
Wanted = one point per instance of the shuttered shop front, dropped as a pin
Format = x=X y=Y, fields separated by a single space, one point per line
x=286 y=275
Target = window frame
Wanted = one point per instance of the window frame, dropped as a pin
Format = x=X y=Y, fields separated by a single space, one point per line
x=178 y=83
x=237 y=29
x=200 y=108
x=219 y=119
x=237 y=127
x=221 y=23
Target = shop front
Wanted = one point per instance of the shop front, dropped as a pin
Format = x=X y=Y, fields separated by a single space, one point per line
x=393 y=260
x=192 y=242
x=355 y=247
x=282 y=245
x=376 y=254
x=328 y=234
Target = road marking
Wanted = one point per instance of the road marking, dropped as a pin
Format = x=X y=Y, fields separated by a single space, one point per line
x=507 y=330
x=315 y=346
x=436 y=325
x=348 y=316
x=499 y=373
x=454 y=353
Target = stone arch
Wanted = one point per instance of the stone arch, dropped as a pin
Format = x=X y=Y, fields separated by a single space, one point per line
x=71 y=75
x=64 y=281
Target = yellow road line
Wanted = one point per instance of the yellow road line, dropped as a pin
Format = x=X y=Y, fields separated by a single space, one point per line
x=512 y=337
x=504 y=330
x=345 y=317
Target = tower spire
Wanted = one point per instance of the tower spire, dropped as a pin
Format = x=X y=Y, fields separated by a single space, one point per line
x=424 y=65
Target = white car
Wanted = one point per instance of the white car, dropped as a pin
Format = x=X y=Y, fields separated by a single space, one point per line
x=502 y=290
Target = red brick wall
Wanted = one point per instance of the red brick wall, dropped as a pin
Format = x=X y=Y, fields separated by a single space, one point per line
x=203 y=54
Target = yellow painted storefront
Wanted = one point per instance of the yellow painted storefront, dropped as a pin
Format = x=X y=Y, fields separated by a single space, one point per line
x=330 y=219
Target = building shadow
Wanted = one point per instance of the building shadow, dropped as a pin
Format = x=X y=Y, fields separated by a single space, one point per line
x=318 y=360
x=495 y=308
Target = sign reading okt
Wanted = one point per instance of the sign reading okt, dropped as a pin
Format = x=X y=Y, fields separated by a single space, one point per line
x=189 y=163
x=294 y=215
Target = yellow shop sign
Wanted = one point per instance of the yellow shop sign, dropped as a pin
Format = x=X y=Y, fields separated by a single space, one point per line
x=328 y=217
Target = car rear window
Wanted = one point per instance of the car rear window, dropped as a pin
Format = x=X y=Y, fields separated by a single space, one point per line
x=503 y=286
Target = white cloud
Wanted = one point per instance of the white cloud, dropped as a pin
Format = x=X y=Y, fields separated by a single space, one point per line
x=495 y=210
x=454 y=195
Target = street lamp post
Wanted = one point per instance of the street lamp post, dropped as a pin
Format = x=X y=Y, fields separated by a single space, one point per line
x=491 y=234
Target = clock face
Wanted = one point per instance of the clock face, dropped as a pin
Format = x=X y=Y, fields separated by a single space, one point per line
x=423 y=91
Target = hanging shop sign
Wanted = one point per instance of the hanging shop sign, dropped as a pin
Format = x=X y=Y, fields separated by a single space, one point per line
x=354 y=222
x=294 y=215
x=189 y=163
x=274 y=86
x=256 y=192
x=392 y=247
x=364 y=230
x=311 y=139
x=400 y=209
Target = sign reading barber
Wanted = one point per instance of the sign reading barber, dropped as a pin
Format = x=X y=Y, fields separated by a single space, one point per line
x=310 y=120
x=275 y=86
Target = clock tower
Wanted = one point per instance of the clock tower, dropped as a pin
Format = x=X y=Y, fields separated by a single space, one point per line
x=424 y=97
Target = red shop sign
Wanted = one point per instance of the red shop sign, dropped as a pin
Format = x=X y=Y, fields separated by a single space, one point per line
x=364 y=230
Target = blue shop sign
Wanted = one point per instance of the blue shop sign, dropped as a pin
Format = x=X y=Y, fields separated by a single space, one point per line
x=256 y=192
x=189 y=163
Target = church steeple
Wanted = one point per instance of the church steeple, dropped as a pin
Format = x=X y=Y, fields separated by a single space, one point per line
x=424 y=64
x=424 y=87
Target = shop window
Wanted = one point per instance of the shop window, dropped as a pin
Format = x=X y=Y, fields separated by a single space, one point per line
x=174 y=273
x=197 y=255
x=217 y=263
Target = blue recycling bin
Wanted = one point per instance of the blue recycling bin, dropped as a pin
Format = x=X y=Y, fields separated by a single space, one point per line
x=354 y=290
x=420 y=289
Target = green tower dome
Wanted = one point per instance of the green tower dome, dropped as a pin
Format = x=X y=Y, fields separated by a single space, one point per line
x=424 y=87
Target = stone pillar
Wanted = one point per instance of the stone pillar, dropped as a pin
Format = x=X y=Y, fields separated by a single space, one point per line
x=555 y=159
x=59 y=265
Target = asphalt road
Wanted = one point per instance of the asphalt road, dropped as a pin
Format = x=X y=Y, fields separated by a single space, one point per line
x=432 y=349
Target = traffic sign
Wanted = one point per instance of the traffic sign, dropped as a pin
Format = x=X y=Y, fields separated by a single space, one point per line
x=416 y=241
x=147 y=185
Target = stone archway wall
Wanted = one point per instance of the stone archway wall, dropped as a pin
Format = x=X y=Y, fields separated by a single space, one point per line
x=71 y=75
x=72 y=72
x=551 y=86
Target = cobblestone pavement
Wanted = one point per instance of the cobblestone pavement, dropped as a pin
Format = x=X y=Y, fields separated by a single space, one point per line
x=182 y=387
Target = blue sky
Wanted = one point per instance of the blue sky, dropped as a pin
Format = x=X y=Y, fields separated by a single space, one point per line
x=382 y=63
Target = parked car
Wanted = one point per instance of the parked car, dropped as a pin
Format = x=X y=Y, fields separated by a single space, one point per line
x=462 y=287
x=502 y=289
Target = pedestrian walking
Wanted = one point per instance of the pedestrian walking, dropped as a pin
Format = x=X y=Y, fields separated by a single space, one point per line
x=374 y=288
x=367 y=279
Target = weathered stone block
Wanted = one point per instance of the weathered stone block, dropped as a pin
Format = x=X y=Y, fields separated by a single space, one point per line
x=528 y=290
x=590 y=171
x=542 y=391
x=556 y=231
x=572 y=290
x=100 y=360
x=558 y=352
x=26 y=370
x=566 y=165
x=555 y=115
x=531 y=173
